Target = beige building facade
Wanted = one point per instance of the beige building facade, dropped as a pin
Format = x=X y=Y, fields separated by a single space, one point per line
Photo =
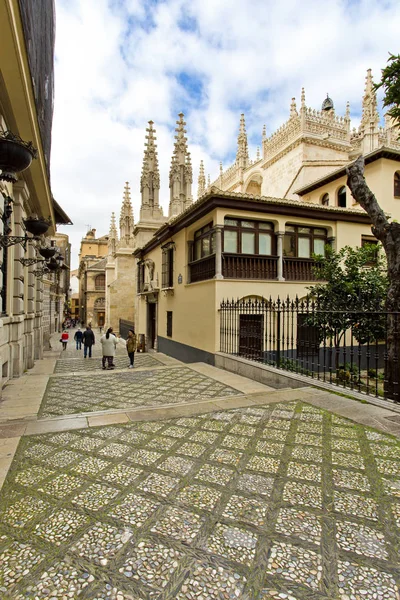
x=229 y=245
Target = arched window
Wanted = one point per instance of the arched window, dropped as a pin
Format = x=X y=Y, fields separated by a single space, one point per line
x=341 y=197
x=325 y=200
x=100 y=282
x=397 y=184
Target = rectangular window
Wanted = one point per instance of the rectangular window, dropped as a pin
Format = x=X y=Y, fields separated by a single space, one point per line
x=230 y=241
x=319 y=246
x=304 y=248
x=204 y=242
x=302 y=242
x=167 y=271
x=248 y=237
x=169 y=323
x=140 y=277
x=264 y=244
x=248 y=243
x=289 y=245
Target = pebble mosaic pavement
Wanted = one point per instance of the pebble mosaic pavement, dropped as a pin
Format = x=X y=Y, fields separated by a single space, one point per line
x=128 y=390
x=285 y=501
x=95 y=364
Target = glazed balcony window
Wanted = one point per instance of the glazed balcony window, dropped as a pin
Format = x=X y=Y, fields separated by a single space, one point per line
x=248 y=237
x=204 y=242
x=303 y=242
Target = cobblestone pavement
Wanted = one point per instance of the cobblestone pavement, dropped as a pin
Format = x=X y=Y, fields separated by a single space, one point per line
x=132 y=389
x=284 y=501
x=95 y=364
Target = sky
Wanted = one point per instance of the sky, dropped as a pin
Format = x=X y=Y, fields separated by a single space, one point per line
x=121 y=63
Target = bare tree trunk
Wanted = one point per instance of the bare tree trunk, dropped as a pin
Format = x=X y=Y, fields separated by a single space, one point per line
x=389 y=235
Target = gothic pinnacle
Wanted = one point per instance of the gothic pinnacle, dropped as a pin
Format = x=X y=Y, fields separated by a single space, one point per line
x=264 y=132
x=201 y=181
x=242 y=154
x=293 y=108
x=303 y=98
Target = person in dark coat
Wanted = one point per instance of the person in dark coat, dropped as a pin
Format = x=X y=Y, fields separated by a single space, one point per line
x=78 y=339
x=88 y=342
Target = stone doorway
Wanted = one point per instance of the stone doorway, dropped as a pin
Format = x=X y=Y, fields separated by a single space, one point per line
x=152 y=325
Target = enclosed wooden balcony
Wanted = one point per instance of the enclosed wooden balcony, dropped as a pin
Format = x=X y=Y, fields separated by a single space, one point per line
x=245 y=266
x=298 y=269
x=202 y=269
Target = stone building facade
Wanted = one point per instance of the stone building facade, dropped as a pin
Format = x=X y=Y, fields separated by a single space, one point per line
x=25 y=111
x=92 y=281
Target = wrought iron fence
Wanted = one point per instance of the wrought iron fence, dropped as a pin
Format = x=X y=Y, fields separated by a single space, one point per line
x=353 y=349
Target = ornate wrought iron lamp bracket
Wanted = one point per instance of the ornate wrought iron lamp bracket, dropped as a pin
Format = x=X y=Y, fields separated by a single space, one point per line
x=28 y=262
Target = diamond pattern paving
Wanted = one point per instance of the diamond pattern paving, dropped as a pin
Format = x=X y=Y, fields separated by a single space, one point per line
x=174 y=509
x=128 y=390
x=95 y=363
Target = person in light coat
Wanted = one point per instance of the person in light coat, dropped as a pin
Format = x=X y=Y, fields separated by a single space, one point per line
x=108 y=343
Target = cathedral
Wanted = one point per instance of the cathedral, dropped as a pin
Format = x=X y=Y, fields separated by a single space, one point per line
x=310 y=146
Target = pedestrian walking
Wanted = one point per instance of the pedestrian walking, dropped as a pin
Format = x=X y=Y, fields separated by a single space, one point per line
x=88 y=341
x=109 y=344
x=64 y=339
x=78 y=339
x=131 y=347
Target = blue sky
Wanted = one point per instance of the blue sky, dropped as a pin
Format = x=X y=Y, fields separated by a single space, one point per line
x=120 y=63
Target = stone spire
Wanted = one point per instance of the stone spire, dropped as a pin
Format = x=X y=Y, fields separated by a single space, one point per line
x=150 y=179
x=293 y=108
x=242 y=154
x=258 y=153
x=264 y=133
x=303 y=98
x=369 y=126
x=370 y=116
x=201 y=188
x=181 y=173
x=112 y=236
x=208 y=181
x=126 y=219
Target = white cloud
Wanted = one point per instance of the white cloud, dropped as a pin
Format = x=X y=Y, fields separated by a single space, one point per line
x=120 y=63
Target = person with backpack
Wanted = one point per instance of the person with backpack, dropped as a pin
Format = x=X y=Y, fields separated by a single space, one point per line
x=131 y=347
x=78 y=339
x=109 y=344
x=88 y=341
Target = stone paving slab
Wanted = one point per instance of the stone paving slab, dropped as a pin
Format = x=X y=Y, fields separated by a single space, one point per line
x=285 y=500
x=128 y=390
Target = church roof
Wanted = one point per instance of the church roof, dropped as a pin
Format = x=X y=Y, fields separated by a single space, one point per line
x=100 y=265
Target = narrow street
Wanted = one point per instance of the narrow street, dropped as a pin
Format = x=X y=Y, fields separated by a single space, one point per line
x=175 y=480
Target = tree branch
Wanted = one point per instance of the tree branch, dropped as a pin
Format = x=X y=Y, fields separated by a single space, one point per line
x=363 y=195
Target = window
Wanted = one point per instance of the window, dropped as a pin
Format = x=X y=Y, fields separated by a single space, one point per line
x=140 y=277
x=204 y=242
x=303 y=242
x=325 y=200
x=341 y=197
x=397 y=184
x=167 y=272
x=370 y=241
x=100 y=282
x=169 y=323
x=248 y=237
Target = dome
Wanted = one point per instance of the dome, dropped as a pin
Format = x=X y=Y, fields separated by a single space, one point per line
x=327 y=103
